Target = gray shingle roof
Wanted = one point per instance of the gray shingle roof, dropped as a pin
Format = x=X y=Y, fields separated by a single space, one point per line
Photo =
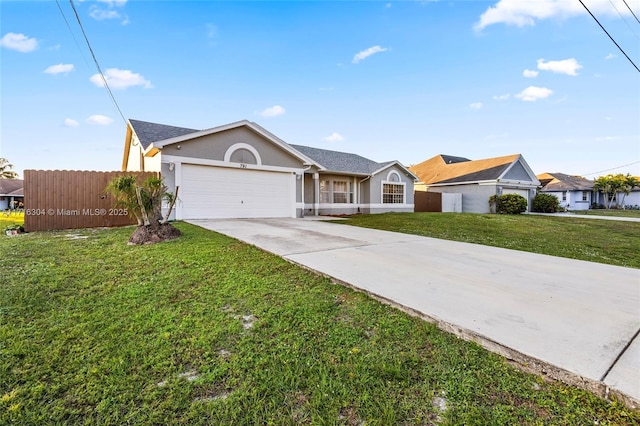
x=340 y=161
x=451 y=159
x=562 y=182
x=152 y=132
x=13 y=187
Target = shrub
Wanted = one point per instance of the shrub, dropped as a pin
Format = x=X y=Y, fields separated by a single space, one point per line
x=509 y=203
x=545 y=203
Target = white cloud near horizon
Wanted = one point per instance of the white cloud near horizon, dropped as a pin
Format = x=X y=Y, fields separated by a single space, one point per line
x=530 y=73
x=368 y=52
x=19 y=42
x=59 y=69
x=525 y=13
x=334 y=137
x=475 y=105
x=121 y=79
x=533 y=93
x=566 y=66
x=272 y=111
x=101 y=120
x=70 y=122
x=610 y=56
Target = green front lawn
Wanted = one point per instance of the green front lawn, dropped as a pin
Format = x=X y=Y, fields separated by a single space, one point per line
x=603 y=241
x=207 y=330
x=605 y=212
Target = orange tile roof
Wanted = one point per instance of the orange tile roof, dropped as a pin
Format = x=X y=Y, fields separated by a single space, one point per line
x=436 y=170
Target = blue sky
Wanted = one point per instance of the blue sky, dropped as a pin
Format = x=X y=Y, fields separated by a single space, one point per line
x=397 y=80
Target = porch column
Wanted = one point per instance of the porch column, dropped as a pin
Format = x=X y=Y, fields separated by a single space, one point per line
x=316 y=194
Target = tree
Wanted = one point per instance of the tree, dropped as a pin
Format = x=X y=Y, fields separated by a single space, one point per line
x=144 y=202
x=630 y=182
x=612 y=185
x=5 y=170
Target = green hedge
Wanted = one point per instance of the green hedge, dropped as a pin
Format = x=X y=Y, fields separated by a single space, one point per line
x=545 y=203
x=508 y=203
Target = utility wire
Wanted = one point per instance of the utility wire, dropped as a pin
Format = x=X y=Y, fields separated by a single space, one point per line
x=606 y=32
x=630 y=10
x=72 y=34
x=608 y=170
x=624 y=19
x=95 y=60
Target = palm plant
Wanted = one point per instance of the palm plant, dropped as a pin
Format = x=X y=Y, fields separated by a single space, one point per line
x=5 y=170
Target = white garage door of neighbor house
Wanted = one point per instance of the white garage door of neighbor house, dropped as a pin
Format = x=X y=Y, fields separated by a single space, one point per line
x=222 y=193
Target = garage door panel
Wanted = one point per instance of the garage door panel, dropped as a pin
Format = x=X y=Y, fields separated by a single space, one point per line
x=218 y=192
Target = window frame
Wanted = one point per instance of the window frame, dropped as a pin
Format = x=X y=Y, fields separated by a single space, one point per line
x=396 y=197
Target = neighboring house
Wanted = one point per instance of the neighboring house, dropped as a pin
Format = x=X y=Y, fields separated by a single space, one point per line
x=573 y=192
x=477 y=180
x=241 y=170
x=11 y=193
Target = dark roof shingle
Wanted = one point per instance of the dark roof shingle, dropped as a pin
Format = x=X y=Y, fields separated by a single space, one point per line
x=152 y=132
x=340 y=161
x=12 y=187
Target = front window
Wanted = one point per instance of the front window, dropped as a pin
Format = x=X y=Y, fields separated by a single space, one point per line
x=392 y=193
x=325 y=191
x=585 y=196
x=564 y=195
x=339 y=191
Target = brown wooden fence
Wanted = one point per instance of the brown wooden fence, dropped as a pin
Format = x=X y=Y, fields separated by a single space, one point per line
x=427 y=201
x=69 y=199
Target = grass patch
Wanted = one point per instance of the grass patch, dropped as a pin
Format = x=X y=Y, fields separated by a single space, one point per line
x=207 y=330
x=605 y=212
x=602 y=241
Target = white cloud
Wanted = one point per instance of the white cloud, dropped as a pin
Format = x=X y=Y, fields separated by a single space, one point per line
x=525 y=13
x=501 y=97
x=334 y=137
x=59 y=69
x=102 y=120
x=530 y=73
x=272 y=111
x=121 y=79
x=112 y=3
x=212 y=30
x=476 y=105
x=533 y=93
x=69 y=122
x=100 y=14
x=368 y=52
x=610 y=56
x=19 y=42
x=566 y=66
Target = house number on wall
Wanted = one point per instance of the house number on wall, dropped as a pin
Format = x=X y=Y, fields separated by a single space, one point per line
x=243 y=166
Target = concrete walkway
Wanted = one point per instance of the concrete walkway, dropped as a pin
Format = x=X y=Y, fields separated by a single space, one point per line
x=574 y=320
x=588 y=216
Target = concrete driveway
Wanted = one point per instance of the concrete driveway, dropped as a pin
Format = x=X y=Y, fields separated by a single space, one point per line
x=574 y=320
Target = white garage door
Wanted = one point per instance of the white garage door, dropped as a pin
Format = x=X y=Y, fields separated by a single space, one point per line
x=220 y=193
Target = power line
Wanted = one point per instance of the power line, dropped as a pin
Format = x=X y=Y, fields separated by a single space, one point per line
x=608 y=170
x=95 y=60
x=624 y=19
x=630 y=10
x=607 y=33
x=72 y=34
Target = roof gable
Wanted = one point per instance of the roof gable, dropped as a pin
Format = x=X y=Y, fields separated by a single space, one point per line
x=561 y=182
x=438 y=170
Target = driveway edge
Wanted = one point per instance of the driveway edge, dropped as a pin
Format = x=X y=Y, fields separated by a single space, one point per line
x=521 y=361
